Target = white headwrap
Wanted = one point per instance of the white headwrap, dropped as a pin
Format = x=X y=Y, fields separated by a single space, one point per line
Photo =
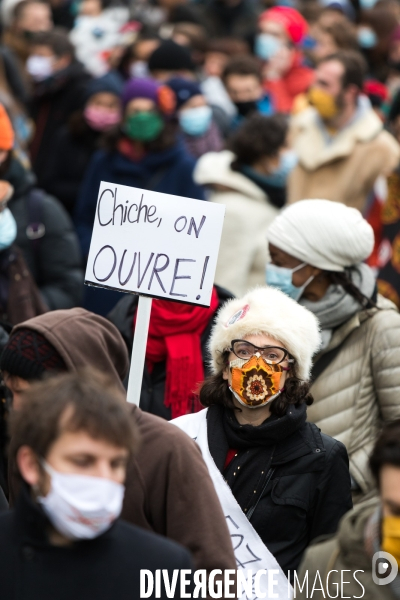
x=322 y=233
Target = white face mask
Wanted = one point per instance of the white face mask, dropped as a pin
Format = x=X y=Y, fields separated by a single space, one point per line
x=81 y=507
x=39 y=67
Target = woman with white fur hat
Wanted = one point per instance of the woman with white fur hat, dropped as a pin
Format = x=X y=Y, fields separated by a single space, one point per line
x=288 y=483
x=317 y=249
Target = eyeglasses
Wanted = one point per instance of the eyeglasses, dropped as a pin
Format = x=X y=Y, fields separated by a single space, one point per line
x=273 y=355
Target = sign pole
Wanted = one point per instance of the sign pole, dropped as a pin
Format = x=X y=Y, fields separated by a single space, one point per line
x=139 y=350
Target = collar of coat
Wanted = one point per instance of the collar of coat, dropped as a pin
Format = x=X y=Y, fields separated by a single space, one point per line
x=315 y=147
x=215 y=168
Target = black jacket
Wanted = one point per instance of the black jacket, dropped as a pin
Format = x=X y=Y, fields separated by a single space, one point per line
x=66 y=168
x=300 y=476
x=221 y=19
x=54 y=101
x=106 y=568
x=153 y=385
x=54 y=260
x=4 y=406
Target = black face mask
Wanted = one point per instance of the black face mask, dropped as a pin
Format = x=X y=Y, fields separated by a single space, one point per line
x=245 y=108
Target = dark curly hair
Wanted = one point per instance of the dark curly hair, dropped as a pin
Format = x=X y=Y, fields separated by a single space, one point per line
x=259 y=136
x=215 y=390
x=243 y=65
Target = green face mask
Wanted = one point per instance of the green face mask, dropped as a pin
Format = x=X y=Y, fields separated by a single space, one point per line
x=143 y=126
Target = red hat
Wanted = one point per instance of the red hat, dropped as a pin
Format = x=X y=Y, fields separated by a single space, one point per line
x=295 y=25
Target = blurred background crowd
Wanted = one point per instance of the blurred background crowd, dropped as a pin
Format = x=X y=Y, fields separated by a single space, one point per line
x=253 y=104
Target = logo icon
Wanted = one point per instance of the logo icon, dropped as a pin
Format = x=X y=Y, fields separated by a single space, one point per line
x=384 y=568
x=240 y=314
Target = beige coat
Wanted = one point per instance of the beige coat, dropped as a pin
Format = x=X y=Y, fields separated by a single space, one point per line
x=360 y=389
x=345 y=169
x=345 y=558
x=243 y=252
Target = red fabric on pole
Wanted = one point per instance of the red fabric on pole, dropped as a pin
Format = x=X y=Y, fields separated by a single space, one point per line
x=175 y=336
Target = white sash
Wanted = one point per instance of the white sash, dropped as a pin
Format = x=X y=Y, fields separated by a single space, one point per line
x=250 y=552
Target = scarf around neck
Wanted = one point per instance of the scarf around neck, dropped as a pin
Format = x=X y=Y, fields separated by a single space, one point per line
x=338 y=306
x=175 y=337
x=272 y=431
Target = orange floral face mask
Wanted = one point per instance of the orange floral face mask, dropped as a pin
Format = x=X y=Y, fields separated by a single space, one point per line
x=254 y=382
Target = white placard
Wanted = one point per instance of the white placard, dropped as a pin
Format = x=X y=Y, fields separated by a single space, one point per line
x=154 y=244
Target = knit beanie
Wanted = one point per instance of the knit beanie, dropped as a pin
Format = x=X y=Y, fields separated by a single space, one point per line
x=267 y=310
x=170 y=56
x=295 y=25
x=112 y=83
x=29 y=355
x=323 y=233
x=184 y=89
x=6 y=130
x=161 y=95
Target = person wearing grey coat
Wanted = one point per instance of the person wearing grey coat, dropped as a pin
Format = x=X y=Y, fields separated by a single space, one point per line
x=322 y=246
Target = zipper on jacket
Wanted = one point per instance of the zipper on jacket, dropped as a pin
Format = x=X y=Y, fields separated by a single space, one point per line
x=250 y=513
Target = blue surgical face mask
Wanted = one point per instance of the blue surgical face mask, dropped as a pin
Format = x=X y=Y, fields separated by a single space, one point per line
x=196 y=121
x=367 y=4
x=139 y=69
x=287 y=163
x=266 y=46
x=8 y=229
x=367 y=37
x=281 y=278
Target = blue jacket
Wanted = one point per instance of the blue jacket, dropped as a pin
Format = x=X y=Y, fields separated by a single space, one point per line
x=169 y=172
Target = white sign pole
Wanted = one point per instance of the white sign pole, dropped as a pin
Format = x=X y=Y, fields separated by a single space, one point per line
x=139 y=350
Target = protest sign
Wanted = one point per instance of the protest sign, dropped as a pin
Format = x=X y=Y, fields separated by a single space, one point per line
x=154 y=244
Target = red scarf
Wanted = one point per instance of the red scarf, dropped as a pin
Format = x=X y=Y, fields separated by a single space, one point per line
x=175 y=336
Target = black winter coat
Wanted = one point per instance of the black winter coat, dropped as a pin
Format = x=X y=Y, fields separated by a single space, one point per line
x=153 y=385
x=54 y=101
x=299 y=475
x=66 y=168
x=106 y=568
x=54 y=260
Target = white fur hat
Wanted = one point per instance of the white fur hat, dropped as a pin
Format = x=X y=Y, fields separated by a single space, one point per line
x=267 y=310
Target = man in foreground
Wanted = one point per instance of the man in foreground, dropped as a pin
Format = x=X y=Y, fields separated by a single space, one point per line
x=168 y=488
x=64 y=540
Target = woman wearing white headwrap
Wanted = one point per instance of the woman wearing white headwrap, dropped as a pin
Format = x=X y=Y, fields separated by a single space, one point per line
x=317 y=248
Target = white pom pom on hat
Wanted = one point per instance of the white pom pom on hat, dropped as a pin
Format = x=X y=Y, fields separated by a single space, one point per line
x=323 y=233
x=267 y=310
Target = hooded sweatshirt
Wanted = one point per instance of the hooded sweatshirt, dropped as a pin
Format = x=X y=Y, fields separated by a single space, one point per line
x=83 y=339
x=168 y=488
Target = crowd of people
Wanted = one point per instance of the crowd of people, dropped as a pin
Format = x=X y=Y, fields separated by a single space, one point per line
x=278 y=404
